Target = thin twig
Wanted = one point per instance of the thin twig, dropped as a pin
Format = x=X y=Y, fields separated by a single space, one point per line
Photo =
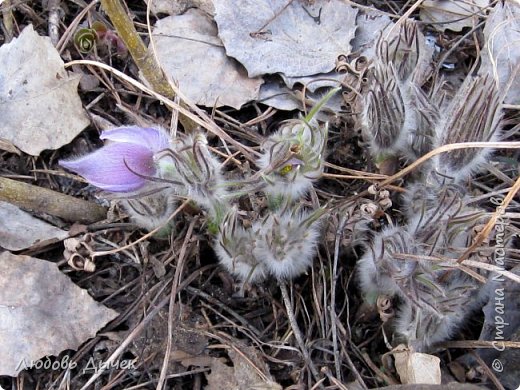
x=201 y=118
x=148 y=235
x=296 y=330
x=54 y=21
x=175 y=290
x=335 y=276
x=7 y=16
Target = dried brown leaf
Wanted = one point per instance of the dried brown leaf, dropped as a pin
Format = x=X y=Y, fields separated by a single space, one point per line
x=191 y=53
x=20 y=230
x=9 y=147
x=39 y=105
x=278 y=36
x=277 y=95
x=42 y=313
x=249 y=371
x=415 y=368
x=452 y=14
x=221 y=376
x=180 y=6
x=370 y=26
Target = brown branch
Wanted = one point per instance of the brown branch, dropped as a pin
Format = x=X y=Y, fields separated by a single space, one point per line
x=50 y=202
x=144 y=58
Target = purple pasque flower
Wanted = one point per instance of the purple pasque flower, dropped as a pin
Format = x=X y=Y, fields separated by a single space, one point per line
x=123 y=164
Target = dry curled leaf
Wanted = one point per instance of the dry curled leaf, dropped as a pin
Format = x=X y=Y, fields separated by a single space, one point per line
x=180 y=6
x=277 y=36
x=248 y=371
x=415 y=368
x=20 y=230
x=221 y=375
x=452 y=14
x=42 y=312
x=39 y=105
x=370 y=27
x=277 y=95
x=316 y=81
x=191 y=53
x=9 y=147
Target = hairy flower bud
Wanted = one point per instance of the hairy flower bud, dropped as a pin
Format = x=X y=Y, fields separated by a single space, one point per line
x=293 y=158
x=420 y=137
x=199 y=172
x=474 y=115
x=379 y=272
x=288 y=242
x=398 y=116
x=151 y=211
x=282 y=245
x=429 y=308
x=405 y=48
x=442 y=217
x=235 y=248
x=422 y=325
x=387 y=113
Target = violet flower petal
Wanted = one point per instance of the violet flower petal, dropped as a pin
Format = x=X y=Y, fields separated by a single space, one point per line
x=105 y=168
x=155 y=139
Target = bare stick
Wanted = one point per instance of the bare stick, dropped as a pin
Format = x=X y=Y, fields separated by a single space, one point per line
x=8 y=20
x=51 y=202
x=143 y=58
x=139 y=52
x=54 y=21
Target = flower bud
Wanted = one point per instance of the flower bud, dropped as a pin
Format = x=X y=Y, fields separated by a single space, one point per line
x=388 y=116
x=287 y=242
x=199 y=171
x=446 y=309
x=474 y=115
x=235 y=248
x=379 y=272
x=126 y=163
x=293 y=158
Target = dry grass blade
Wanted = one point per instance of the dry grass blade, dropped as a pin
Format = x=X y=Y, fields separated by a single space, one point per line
x=491 y=223
x=297 y=332
x=146 y=236
x=202 y=120
x=173 y=294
